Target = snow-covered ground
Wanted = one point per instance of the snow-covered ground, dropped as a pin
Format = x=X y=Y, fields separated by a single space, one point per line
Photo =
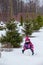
x=17 y=58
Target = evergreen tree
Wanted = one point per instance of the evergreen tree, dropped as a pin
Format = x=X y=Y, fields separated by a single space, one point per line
x=12 y=36
x=37 y=23
x=39 y=20
x=28 y=27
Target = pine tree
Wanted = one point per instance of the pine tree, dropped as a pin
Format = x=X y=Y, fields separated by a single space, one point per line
x=37 y=23
x=12 y=36
x=28 y=27
x=39 y=20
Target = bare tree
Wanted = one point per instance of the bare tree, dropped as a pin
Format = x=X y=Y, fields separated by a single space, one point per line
x=37 y=2
x=11 y=8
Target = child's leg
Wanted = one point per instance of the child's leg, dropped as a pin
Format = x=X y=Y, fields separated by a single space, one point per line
x=32 y=51
x=23 y=50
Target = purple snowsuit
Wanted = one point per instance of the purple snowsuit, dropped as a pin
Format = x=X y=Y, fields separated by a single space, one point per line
x=28 y=45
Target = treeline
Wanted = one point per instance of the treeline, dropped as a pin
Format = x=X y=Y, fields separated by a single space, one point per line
x=13 y=37
x=11 y=8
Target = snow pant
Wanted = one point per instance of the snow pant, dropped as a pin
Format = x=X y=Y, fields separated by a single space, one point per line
x=26 y=47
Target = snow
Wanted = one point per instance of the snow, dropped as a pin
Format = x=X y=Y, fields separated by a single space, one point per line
x=2 y=24
x=16 y=57
x=2 y=32
x=19 y=28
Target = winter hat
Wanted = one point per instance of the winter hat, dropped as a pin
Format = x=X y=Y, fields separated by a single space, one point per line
x=27 y=39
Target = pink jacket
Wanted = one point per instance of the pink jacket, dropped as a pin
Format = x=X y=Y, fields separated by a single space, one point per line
x=29 y=45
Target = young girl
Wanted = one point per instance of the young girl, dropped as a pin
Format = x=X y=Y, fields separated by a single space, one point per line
x=28 y=45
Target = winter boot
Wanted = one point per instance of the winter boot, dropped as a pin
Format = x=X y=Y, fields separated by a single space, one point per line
x=22 y=51
x=32 y=53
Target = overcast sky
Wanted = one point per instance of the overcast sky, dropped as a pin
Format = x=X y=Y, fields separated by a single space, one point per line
x=41 y=1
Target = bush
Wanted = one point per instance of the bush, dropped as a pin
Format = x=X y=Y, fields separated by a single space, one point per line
x=12 y=36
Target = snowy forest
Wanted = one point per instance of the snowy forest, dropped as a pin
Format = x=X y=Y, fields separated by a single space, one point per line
x=21 y=32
